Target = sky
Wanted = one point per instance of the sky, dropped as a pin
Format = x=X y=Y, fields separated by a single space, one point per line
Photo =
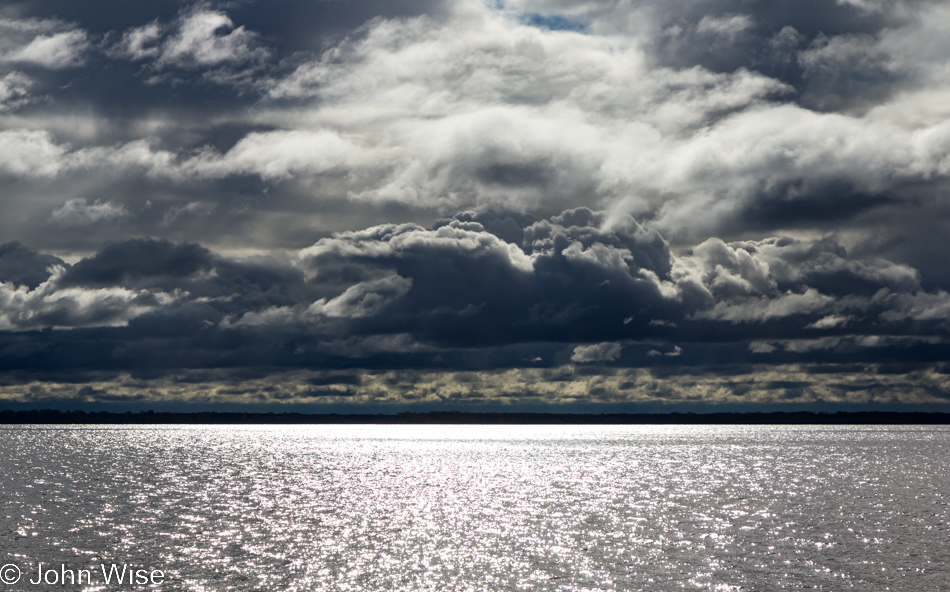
x=523 y=205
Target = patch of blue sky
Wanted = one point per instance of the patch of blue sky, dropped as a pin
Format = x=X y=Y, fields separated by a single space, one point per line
x=552 y=22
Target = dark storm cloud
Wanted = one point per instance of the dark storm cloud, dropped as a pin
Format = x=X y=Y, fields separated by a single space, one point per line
x=573 y=279
x=128 y=261
x=406 y=295
x=20 y=265
x=568 y=280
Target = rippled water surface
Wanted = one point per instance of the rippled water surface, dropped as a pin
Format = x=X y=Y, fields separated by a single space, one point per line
x=491 y=508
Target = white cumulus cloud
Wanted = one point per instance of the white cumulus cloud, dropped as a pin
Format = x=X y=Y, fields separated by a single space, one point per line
x=599 y=352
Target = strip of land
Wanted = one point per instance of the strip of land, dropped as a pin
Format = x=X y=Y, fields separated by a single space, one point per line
x=57 y=417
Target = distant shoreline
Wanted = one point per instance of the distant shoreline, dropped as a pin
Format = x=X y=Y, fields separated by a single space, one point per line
x=56 y=417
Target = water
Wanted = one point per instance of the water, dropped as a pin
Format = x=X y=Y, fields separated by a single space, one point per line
x=494 y=508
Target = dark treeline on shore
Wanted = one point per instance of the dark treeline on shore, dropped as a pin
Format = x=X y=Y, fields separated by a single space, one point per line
x=52 y=416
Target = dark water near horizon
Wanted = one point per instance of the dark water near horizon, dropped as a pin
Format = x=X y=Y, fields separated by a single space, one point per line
x=493 y=508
